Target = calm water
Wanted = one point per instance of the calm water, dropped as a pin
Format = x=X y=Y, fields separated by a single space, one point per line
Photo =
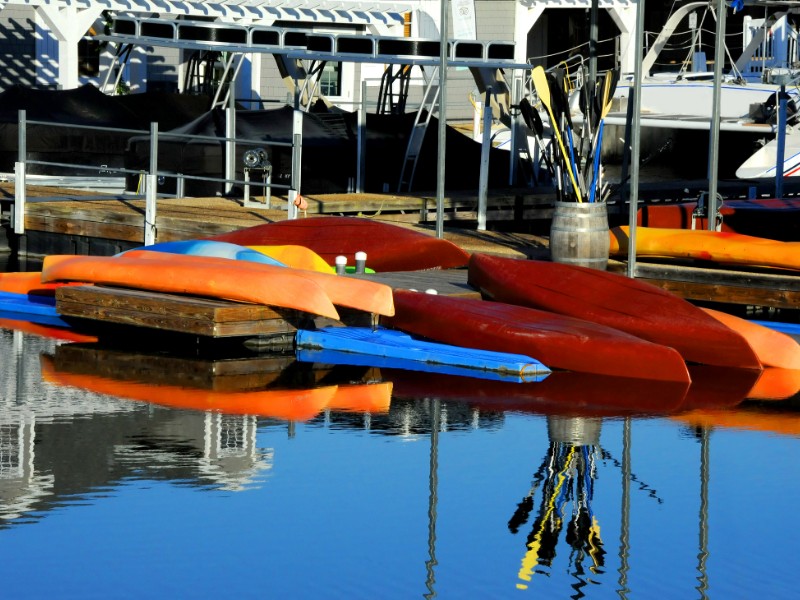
x=420 y=487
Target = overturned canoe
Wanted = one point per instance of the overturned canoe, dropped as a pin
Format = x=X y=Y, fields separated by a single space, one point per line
x=143 y=270
x=388 y=247
x=716 y=246
x=559 y=341
x=613 y=300
x=214 y=249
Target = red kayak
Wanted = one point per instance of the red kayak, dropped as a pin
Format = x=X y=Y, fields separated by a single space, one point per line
x=616 y=301
x=388 y=247
x=560 y=342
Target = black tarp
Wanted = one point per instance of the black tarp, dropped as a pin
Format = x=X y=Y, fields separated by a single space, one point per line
x=86 y=107
x=329 y=153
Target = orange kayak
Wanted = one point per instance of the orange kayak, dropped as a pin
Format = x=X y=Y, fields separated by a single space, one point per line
x=776 y=384
x=26 y=282
x=360 y=294
x=717 y=246
x=287 y=405
x=177 y=274
x=773 y=348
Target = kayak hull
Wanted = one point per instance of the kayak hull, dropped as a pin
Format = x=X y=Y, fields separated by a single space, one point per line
x=558 y=341
x=388 y=247
x=613 y=300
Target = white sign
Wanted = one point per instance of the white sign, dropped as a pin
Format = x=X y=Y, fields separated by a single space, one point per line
x=463 y=19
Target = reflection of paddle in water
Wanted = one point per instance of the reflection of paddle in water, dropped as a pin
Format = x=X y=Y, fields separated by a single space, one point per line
x=566 y=476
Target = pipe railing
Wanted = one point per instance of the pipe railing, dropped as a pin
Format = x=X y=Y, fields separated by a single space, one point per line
x=152 y=175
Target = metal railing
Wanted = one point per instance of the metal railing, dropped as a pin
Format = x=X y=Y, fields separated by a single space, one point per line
x=153 y=174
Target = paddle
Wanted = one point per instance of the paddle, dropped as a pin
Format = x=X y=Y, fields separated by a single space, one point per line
x=534 y=123
x=543 y=91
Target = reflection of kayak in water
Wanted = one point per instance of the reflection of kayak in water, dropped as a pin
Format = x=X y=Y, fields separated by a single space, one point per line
x=745 y=418
x=44 y=330
x=285 y=404
x=562 y=393
x=362 y=397
x=715 y=387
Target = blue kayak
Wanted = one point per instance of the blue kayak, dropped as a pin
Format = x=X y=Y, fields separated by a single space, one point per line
x=387 y=348
x=213 y=249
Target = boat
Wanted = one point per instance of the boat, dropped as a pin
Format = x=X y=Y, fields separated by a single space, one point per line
x=770 y=218
x=277 y=286
x=612 y=300
x=297 y=257
x=763 y=163
x=773 y=348
x=559 y=341
x=388 y=247
x=350 y=292
x=716 y=246
x=383 y=347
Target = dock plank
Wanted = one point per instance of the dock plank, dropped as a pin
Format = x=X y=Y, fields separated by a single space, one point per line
x=183 y=314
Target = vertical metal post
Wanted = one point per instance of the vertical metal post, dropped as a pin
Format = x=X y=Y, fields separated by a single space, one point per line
x=713 y=138
x=19 y=174
x=486 y=145
x=297 y=158
x=362 y=140
x=781 y=135
x=593 y=37
x=442 y=138
x=230 y=142
x=180 y=186
x=152 y=189
x=516 y=96
x=635 y=138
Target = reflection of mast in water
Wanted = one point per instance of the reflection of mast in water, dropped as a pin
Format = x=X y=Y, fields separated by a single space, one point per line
x=566 y=476
x=433 y=484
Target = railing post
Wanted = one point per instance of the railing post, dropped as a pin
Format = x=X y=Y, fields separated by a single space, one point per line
x=19 y=177
x=297 y=154
x=362 y=140
x=483 y=184
x=151 y=189
x=180 y=186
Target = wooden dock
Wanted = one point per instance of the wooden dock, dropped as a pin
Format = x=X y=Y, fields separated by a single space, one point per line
x=65 y=222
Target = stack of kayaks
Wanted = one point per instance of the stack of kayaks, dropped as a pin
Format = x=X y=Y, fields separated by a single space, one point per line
x=222 y=278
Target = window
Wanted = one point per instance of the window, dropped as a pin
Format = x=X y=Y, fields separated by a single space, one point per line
x=330 y=81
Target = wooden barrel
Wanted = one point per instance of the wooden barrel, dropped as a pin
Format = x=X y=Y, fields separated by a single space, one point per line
x=579 y=234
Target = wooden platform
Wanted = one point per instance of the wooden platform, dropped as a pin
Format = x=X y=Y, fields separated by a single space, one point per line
x=99 y=307
x=751 y=288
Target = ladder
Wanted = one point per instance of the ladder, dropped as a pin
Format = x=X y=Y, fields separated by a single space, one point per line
x=429 y=100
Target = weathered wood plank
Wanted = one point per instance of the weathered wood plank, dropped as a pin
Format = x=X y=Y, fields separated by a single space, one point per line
x=196 y=316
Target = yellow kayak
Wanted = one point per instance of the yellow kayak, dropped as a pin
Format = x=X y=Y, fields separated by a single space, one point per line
x=298 y=257
x=718 y=246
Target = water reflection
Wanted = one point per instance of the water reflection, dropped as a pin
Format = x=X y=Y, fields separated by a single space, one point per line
x=79 y=419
